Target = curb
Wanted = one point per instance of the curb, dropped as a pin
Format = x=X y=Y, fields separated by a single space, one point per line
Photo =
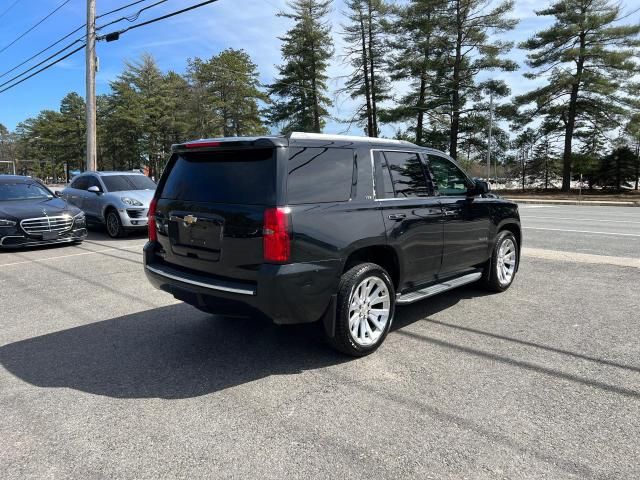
x=603 y=203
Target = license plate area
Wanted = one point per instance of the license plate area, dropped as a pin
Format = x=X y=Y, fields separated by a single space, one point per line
x=49 y=235
x=196 y=236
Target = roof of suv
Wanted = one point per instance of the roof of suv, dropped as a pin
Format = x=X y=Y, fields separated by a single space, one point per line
x=295 y=138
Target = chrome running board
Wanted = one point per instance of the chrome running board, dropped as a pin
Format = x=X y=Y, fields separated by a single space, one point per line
x=438 y=288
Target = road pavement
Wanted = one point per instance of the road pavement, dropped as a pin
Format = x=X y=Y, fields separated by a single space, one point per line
x=104 y=377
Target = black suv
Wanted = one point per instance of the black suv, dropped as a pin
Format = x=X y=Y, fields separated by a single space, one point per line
x=315 y=227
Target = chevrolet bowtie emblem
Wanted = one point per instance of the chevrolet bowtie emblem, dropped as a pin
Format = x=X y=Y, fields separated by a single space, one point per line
x=189 y=220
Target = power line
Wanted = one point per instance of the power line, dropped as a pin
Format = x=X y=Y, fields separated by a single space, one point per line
x=49 y=47
x=115 y=35
x=41 y=63
x=133 y=17
x=36 y=25
x=44 y=50
x=115 y=10
x=43 y=69
x=8 y=8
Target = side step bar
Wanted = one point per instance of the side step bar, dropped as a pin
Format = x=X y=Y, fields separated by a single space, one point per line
x=438 y=288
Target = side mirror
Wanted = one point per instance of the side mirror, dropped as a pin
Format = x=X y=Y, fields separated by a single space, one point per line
x=479 y=188
x=95 y=190
x=58 y=193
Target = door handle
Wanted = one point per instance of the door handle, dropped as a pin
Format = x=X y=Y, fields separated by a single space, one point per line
x=397 y=216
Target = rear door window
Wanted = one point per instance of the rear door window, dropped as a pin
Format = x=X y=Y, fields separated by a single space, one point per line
x=319 y=175
x=245 y=177
x=403 y=175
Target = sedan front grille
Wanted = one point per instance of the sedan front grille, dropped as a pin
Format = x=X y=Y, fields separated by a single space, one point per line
x=60 y=223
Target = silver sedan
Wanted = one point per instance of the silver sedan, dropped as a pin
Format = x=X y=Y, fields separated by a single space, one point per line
x=118 y=200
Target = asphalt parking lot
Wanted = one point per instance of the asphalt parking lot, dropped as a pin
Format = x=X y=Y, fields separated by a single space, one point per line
x=104 y=377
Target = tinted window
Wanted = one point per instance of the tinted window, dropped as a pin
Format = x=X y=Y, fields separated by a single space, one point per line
x=120 y=183
x=81 y=183
x=319 y=175
x=384 y=185
x=407 y=174
x=93 y=182
x=23 y=191
x=242 y=177
x=448 y=178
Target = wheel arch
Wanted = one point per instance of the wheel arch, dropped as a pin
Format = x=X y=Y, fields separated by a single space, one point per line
x=383 y=255
x=514 y=228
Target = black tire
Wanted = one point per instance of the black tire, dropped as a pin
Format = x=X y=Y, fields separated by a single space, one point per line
x=114 y=225
x=491 y=279
x=343 y=339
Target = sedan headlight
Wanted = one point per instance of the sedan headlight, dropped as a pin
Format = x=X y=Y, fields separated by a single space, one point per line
x=131 y=202
x=7 y=223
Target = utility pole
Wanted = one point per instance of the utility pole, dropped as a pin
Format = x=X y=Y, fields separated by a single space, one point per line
x=490 y=132
x=92 y=150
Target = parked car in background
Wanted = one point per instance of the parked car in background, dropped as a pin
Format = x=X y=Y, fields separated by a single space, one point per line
x=315 y=227
x=31 y=215
x=118 y=200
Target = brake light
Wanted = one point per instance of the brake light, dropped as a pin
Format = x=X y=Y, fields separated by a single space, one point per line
x=202 y=144
x=153 y=229
x=276 y=238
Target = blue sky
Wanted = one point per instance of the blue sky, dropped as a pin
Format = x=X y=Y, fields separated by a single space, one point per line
x=248 y=24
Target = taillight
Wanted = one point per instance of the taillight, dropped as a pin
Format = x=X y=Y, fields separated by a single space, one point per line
x=276 y=239
x=153 y=229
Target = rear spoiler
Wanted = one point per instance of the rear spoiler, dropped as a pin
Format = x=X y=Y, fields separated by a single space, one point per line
x=229 y=143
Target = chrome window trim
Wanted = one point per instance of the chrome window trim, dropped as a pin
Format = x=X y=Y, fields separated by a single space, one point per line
x=201 y=284
x=373 y=175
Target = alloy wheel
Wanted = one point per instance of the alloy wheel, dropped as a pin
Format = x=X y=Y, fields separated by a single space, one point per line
x=506 y=264
x=369 y=309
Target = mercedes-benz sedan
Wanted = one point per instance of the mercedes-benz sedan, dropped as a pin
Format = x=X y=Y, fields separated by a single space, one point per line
x=31 y=214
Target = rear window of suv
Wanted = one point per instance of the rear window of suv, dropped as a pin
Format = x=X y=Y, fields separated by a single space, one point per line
x=319 y=175
x=240 y=176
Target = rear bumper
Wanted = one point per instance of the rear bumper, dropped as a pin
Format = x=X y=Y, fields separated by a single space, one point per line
x=286 y=294
x=20 y=240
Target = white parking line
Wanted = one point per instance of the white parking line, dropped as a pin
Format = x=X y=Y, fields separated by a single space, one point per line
x=584 y=231
x=581 y=219
x=580 y=257
x=39 y=260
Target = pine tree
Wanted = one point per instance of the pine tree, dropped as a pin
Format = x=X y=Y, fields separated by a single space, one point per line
x=417 y=44
x=228 y=92
x=618 y=168
x=365 y=52
x=301 y=88
x=73 y=130
x=471 y=51
x=586 y=58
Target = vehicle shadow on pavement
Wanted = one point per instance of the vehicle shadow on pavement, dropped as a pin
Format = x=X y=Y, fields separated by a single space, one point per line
x=171 y=352
x=422 y=311
x=178 y=352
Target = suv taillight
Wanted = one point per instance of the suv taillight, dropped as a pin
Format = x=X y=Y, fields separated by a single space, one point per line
x=276 y=240
x=153 y=229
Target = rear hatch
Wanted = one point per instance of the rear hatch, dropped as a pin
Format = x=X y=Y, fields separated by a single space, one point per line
x=210 y=210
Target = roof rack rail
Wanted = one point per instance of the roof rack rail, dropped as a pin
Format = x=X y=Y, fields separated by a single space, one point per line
x=344 y=138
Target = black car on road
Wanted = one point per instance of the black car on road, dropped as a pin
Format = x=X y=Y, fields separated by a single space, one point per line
x=31 y=215
x=336 y=229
